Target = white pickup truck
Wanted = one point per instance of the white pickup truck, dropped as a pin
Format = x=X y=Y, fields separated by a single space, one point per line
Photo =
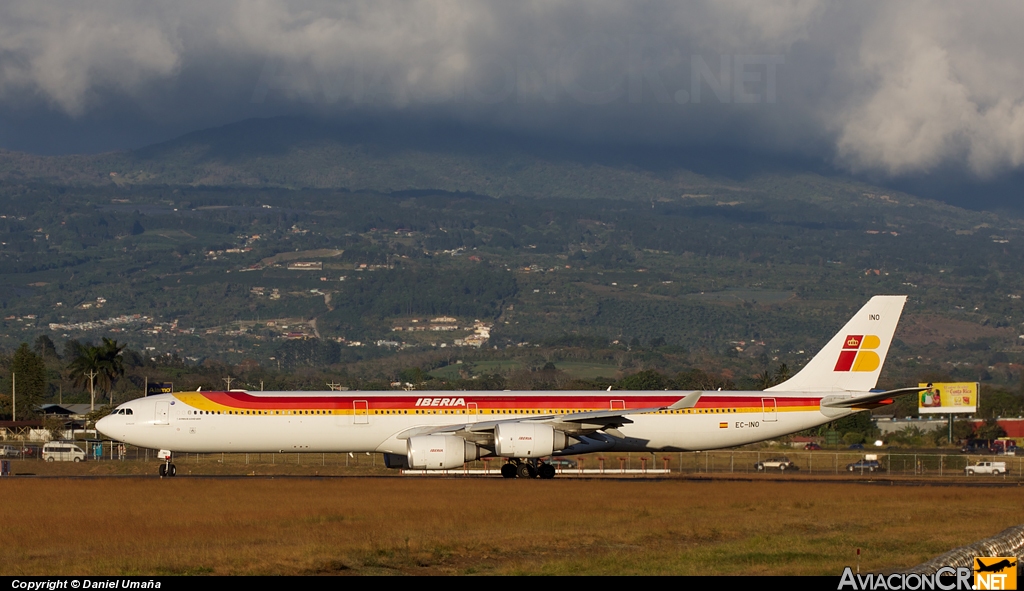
x=994 y=468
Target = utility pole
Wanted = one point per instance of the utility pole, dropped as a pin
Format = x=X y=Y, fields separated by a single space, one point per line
x=14 y=397
x=228 y=380
x=92 y=389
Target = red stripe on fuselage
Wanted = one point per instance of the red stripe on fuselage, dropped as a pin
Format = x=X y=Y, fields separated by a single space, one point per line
x=483 y=401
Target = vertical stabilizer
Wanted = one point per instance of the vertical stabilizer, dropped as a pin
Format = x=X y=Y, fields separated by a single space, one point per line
x=853 y=359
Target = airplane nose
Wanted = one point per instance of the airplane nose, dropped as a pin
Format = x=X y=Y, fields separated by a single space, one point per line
x=103 y=426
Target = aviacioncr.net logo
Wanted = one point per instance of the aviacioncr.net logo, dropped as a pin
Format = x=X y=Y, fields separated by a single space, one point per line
x=946 y=578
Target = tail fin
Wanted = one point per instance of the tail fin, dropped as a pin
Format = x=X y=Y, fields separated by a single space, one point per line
x=852 y=360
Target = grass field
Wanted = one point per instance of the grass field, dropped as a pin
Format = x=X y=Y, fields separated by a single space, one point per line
x=588 y=371
x=147 y=526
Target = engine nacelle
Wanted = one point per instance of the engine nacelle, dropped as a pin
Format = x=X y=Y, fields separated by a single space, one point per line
x=440 y=452
x=527 y=440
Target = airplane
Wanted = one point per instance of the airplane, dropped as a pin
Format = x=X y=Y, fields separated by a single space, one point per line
x=442 y=430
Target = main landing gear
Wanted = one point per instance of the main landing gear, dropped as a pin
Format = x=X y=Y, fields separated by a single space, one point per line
x=520 y=468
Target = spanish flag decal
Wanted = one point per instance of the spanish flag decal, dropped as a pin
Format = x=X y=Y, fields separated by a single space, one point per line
x=723 y=425
x=857 y=353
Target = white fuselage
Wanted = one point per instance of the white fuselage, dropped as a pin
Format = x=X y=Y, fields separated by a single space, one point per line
x=374 y=422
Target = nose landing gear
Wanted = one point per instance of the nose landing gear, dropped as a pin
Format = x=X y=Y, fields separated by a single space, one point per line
x=167 y=468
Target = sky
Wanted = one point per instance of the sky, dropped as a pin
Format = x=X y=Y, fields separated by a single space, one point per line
x=906 y=92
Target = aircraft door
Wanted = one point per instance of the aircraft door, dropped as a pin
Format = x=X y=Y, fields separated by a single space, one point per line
x=771 y=412
x=472 y=410
x=161 y=413
x=616 y=405
x=360 y=412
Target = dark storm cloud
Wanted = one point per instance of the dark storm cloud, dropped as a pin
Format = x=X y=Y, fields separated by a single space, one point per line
x=887 y=88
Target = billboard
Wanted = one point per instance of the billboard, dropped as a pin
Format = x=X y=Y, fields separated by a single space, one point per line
x=153 y=388
x=948 y=397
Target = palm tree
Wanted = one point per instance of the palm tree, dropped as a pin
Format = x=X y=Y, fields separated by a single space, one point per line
x=111 y=366
x=84 y=370
x=98 y=366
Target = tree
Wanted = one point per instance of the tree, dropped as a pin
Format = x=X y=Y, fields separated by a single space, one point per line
x=782 y=374
x=644 y=380
x=98 y=366
x=990 y=430
x=85 y=369
x=28 y=372
x=962 y=430
x=44 y=347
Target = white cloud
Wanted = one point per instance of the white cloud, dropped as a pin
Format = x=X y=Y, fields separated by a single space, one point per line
x=63 y=53
x=898 y=88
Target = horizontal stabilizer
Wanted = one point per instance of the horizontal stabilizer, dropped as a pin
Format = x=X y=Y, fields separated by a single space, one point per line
x=852 y=401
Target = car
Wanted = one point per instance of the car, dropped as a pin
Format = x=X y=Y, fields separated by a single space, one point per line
x=993 y=468
x=9 y=451
x=781 y=463
x=865 y=466
x=562 y=463
x=812 y=446
x=856 y=446
x=63 y=451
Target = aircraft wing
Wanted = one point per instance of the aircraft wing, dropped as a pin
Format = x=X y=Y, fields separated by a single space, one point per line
x=866 y=398
x=577 y=423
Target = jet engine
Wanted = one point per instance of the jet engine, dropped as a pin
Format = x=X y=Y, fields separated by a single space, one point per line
x=440 y=452
x=527 y=440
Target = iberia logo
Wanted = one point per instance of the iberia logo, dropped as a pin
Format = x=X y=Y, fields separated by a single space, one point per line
x=857 y=354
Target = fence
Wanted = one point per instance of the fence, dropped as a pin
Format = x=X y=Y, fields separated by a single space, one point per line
x=1009 y=542
x=891 y=463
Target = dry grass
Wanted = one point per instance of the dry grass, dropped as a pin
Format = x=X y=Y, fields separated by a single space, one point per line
x=147 y=526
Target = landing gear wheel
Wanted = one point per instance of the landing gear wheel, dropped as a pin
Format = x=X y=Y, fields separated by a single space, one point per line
x=525 y=470
x=546 y=471
x=163 y=470
x=508 y=471
x=171 y=470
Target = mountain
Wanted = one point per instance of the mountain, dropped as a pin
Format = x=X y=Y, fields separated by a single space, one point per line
x=178 y=247
x=298 y=153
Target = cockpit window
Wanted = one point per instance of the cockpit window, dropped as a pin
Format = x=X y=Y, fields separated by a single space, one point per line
x=124 y=411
